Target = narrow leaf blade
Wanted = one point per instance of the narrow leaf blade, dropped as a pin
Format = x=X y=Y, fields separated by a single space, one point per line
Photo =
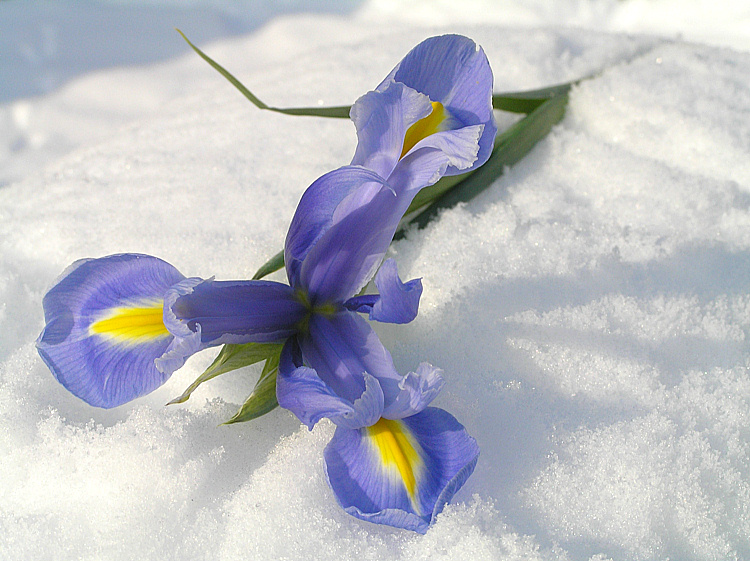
x=515 y=102
x=529 y=100
x=271 y=266
x=341 y=112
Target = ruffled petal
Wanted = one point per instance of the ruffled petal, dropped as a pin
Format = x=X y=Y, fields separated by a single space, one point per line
x=414 y=392
x=300 y=390
x=187 y=342
x=382 y=119
x=400 y=472
x=315 y=211
x=460 y=147
x=104 y=328
x=399 y=120
x=341 y=348
x=220 y=312
x=432 y=157
x=366 y=410
x=452 y=70
x=397 y=302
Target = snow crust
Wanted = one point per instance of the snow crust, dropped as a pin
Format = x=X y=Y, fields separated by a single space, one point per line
x=590 y=311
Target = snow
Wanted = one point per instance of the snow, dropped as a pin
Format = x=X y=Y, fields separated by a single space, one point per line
x=590 y=311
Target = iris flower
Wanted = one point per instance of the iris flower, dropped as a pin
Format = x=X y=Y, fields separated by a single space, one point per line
x=117 y=327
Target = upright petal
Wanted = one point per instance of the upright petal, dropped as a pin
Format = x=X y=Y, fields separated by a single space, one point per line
x=401 y=472
x=104 y=328
x=397 y=302
x=341 y=348
x=454 y=71
x=219 y=312
x=317 y=211
x=399 y=120
x=347 y=254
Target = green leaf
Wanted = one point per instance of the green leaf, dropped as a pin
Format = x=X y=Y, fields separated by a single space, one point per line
x=263 y=398
x=231 y=357
x=527 y=101
x=271 y=266
x=341 y=112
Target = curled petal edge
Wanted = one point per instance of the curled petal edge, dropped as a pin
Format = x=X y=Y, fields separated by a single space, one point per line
x=300 y=390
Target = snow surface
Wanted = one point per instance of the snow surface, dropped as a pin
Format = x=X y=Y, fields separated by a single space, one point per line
x=591 y=310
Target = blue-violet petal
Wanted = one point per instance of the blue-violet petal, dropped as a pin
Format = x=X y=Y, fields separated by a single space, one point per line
x=382 y=119
x=347 y=255
x=104 y=328
x=315 y=211
x=413 y=393
x=400 y=472
x=397 y=302
x=341 y=348
x=234 y=311
x=452 y=70
x=300 y=390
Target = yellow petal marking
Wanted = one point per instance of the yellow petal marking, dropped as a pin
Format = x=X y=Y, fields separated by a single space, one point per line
x=136 y=324
x=425 y=127
x=398 y=451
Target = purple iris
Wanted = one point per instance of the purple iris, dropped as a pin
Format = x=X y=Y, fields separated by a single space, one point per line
x=435 y=104
x=118 y=326
x=104 y=338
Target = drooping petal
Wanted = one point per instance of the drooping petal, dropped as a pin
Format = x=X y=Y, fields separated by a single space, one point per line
x=397 y=302
x=341 y=348
x=315 y=211
x=104 y=328
x=220 y=312
x=401 y=472
x=414 y=392
x=299 y=389
x=454 y=71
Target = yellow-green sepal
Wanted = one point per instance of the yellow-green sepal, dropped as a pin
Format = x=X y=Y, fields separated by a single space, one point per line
x=263 y=398
x=271 y=266
x=231 y=357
